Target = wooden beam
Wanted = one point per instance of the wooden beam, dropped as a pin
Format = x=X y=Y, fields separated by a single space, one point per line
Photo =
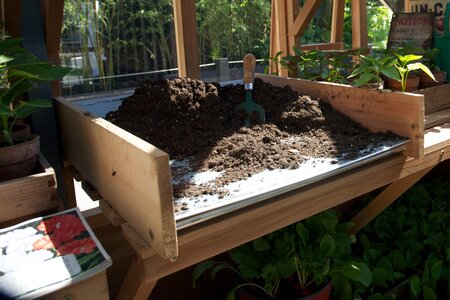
x=12 y=18
x=337 y=21
x=359 y=24
x=53 y=19
x=186 y=38
x=135 y=286
x=304 y=17
x=282 y=17
x=386 y=198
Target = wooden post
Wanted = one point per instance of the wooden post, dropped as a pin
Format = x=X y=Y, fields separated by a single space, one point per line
x=337 y=21
x=53 y=19
x=359 y=24
x=186 y=38
x=283 y=14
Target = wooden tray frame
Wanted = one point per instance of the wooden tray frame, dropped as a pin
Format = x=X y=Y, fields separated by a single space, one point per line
x=133 y=176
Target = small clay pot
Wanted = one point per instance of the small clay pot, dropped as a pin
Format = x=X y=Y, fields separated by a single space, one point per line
x=427 y=82
x=412 y=84
x=19 y=160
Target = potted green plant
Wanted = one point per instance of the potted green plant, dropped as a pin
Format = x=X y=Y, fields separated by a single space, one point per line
x=19 y=70
x=371 y=69
x=428 y=59
x=405 y=64
x=295 y=262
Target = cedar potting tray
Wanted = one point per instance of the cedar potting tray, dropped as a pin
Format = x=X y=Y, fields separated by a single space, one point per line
x=135 y=177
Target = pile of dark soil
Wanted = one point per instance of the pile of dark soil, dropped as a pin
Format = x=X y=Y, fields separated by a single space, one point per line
x=191 y=118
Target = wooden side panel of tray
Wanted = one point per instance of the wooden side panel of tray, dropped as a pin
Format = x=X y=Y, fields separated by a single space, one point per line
x=29 y=195
x=131 y=174
x=402 y=113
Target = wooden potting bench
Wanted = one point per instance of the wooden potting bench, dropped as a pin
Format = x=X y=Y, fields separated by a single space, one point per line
x=147 y=221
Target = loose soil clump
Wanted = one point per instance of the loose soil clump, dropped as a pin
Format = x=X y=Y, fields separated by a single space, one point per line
x=197 y=120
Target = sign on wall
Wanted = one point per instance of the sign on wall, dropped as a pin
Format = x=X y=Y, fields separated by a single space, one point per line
x=437 y=7
x=411 y=29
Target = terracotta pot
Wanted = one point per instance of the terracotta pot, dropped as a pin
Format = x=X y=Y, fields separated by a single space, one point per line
x=426 y=81
x=412 y=84
x=19 y=160
x=323 y=294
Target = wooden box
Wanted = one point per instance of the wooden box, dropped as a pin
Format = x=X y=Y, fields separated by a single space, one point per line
x=437 y=104
x=29 y=195
x=134 y=176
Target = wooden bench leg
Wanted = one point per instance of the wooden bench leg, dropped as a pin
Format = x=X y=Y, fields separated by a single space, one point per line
x=135 y=286
x=384 y=199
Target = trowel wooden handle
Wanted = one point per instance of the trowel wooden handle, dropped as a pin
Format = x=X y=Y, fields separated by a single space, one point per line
x=249 y=68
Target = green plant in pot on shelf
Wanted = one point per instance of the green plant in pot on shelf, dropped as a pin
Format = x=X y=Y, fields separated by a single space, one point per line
x=302 y=260
x=406 y=64
x=19 y=72
x=429 y=56
x=370 y=70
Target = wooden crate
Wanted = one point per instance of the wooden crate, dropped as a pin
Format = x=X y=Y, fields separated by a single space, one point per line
x=134 y=176
x=437 y=104
x=29 y=195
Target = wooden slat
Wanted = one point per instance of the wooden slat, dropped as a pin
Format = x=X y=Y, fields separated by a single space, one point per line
x=402 y=113
x=337 y=21
x=306 y=13
x=131 y=174
x=359 y=24
x=110 y=213
x=186 y=38
x=93 y=288
x=384 y=199
x=437 y=118
x=209 y=239
x=281 y=44
x=28 y=195
x=292 y=9
x=323 y=46
x=436 y=98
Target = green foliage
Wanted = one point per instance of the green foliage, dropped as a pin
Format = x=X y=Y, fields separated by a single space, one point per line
x=410 y=238
x=18 y=70
x=371 y=69
x=407 y=63
x=310 y=252
x=233 y=28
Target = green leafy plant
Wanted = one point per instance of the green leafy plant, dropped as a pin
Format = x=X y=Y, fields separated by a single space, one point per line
x=19 y=70
x=295 y=260
x=406 y=64
x=409 y=244
x=371 y=69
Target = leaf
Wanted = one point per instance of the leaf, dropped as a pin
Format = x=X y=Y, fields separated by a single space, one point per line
x=39 y=102
x=303 y=232
x=436 y=270
x=45 y=71
x=358 y=271
x=23 y=111
x=376 y=297
x=200 y=269
x=4 y=59
x=5 y=111
x=414 y=287
x=428 y=293
x=327 y=246
x=261 y=244
x=398 y=260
